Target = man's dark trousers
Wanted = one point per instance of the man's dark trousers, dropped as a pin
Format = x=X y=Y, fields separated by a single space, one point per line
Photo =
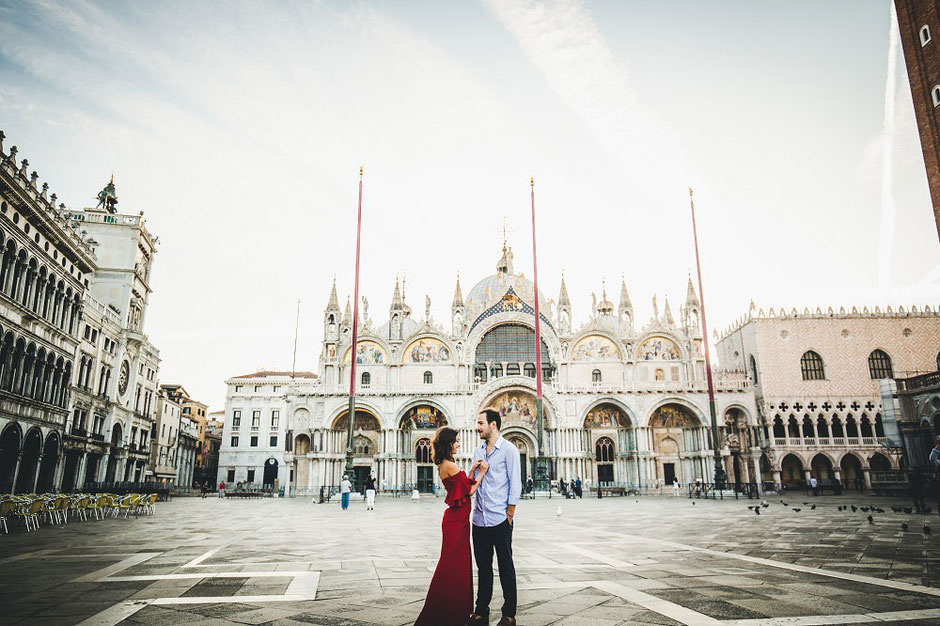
x=485 y=540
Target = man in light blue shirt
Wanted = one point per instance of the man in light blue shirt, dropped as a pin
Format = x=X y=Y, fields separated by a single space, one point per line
x=493 y=512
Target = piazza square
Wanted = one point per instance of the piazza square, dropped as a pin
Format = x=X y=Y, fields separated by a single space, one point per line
x=495 y=312
x=649 y=560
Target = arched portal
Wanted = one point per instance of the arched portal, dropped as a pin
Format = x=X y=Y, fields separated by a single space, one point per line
x=50 y=461
x=604 y=454
x=608 y=420
x=116 y=443
x=9 y=450
x=269 y=477
x=416 y=427
x=675 y=432
x=821 y=468
x=791 y=472
x=851 y=472
x=29 y=462
x=366 y=438
x=526 y=452
x=424 y=460
x=879 y=463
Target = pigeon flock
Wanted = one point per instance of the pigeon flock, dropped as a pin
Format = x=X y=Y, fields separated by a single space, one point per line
x=870 y=510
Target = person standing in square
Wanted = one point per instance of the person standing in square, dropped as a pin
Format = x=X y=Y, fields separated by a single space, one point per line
x=345 y=488
x=492 y=520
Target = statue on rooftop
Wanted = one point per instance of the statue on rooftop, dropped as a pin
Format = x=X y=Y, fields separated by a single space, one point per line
x=107 y=197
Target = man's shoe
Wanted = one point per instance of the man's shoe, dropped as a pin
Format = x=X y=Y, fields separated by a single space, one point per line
x=477 y=619
x=506 y=621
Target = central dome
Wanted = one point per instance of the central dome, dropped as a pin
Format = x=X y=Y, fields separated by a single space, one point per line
x=493 y=287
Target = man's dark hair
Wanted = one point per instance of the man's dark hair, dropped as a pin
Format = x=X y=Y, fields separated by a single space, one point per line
x=493 y=416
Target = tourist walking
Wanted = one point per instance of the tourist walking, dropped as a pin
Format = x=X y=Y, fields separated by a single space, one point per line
x=675 y=488
x=370 y=493
x=203 y=488
x=814 y=484
x=934 y=477
x=577 y=487
x=222 y=489
x=450 y=596
x=345 y=488
x=493 y=512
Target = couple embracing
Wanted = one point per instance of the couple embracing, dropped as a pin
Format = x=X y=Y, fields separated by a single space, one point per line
x=495 y=480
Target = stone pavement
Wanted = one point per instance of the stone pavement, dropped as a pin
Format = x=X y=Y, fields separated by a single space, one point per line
x=648 y=560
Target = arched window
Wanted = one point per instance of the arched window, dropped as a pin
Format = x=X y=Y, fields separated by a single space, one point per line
x=596 y=376
x=529 y=370
x=512 y=344
x=428 y=378
x=754 y=370
x=851 y=427
x=879 y=426
x=866 y=427
x=924 y=35
x=423 y=451
x=808 y=432
x=779 y=430
x=935 y=94
x=793 y=429
x=512 y=369
x=879 y=365
x=366 y=379
x=812 y=366
x=604 y=450
x=496 y=370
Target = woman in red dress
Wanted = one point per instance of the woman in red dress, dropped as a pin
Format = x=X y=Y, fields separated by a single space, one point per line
x=450 y=597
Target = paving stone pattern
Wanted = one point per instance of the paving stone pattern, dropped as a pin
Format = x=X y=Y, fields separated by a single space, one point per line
x=650 y=560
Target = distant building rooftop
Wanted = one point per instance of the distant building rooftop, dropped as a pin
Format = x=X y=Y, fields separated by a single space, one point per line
x=277 y=374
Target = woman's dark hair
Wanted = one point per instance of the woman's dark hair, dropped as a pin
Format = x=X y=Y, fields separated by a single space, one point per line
x=442 y=445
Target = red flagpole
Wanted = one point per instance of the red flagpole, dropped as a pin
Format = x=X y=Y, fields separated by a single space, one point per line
x=352 y=350
x=540 y=470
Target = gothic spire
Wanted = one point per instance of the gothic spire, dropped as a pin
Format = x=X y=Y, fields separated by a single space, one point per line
x=396 y=297
x=347 y=314
x=458 y=295
x=563 y=293
x=333 y=304
x=625 y=304
x=655 y=308
x=668 y=314
x=691 y=297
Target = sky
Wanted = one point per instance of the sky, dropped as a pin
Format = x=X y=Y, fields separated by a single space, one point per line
x=238 y=128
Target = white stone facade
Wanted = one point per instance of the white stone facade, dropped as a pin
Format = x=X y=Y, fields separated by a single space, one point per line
x=73 y=294
x=816 y=381
x=624 y=403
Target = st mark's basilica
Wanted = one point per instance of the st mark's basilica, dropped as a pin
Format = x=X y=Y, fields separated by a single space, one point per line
x=625 y=400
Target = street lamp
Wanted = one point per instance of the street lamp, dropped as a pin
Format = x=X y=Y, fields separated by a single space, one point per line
x=720 y=476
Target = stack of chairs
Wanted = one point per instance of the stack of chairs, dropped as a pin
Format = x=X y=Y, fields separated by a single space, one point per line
x=57 y=509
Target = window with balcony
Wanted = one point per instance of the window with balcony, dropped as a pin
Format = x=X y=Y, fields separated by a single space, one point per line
x=275 y=418
x=236 y=418
x=255 y=420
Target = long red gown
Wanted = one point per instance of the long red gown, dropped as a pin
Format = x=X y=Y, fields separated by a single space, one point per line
x=450 y=597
